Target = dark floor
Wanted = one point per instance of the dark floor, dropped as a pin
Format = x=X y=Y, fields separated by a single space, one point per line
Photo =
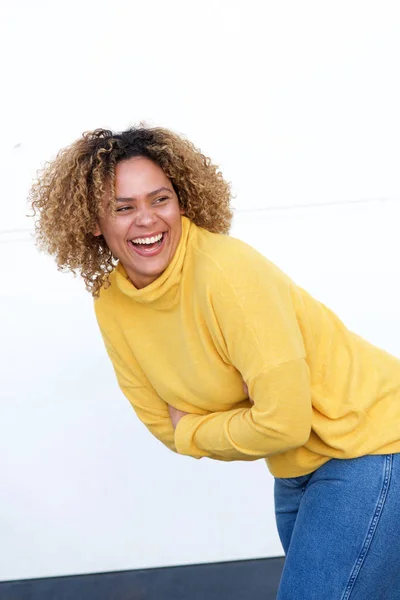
x=240 y=580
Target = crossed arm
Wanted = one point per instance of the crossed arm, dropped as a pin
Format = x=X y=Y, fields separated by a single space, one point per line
x=278 y=420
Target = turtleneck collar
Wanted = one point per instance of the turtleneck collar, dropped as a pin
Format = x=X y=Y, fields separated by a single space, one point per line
x=163 y=291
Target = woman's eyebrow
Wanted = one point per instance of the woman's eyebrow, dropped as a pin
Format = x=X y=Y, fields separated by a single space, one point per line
x=149 y=195
x=161 y=189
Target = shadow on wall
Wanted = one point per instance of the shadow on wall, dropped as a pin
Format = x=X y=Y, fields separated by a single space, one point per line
x=239 y=580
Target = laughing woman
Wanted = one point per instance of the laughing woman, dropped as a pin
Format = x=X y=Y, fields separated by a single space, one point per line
x=223 y=356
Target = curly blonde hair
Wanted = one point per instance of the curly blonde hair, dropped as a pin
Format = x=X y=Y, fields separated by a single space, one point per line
x=68 y=194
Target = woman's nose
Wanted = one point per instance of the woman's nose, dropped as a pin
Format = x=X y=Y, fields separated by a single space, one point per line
x=145 y=216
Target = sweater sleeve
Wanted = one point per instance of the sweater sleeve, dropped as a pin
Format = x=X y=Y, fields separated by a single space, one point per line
x=260 y=336
x=280 y=419
x=148 y=406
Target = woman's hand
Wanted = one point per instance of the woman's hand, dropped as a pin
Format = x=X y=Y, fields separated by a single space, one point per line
x=176 y=415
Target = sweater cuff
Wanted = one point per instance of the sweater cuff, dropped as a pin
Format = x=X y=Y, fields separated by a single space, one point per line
x=184 y=433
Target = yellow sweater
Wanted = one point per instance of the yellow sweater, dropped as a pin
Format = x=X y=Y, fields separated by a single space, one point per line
x=222 y=312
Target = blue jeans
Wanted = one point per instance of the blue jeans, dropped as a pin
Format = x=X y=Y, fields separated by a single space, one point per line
x=340 y=530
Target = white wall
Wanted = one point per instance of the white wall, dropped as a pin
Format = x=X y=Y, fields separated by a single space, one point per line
x=298 y=102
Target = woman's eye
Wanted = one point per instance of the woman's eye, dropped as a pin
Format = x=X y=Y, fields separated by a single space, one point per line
x=123 y=209
x=160 y=200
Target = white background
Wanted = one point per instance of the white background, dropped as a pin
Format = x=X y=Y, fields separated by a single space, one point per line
x=298 y=102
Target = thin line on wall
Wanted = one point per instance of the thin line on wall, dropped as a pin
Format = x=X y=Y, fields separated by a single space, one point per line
x=319 y=204
x=6 y=231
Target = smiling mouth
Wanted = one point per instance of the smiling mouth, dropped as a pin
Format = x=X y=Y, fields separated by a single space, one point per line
x=148 y=249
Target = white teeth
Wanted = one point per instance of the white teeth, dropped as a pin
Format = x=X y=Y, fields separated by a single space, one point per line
x=150 y=240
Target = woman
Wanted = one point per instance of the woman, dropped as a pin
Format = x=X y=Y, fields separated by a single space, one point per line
x=223 y=356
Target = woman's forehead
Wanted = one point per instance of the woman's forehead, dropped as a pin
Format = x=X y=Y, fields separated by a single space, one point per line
x=139 y=176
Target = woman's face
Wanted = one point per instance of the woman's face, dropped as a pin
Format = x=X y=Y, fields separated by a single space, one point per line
x=145 y=229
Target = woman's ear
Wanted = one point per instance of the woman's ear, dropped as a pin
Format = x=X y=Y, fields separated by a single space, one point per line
x=182 y=210
x=96 y=231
